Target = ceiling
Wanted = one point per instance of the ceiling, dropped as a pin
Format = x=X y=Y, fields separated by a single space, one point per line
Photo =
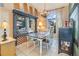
x=48 y=6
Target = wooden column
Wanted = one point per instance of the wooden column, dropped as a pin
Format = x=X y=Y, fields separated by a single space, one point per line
x=36 y=12
x=11 y=23
x=31 y=10
x=25 y=7
x=17 y=5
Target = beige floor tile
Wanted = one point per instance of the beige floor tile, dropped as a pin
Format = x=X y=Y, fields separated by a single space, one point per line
x=23 y=50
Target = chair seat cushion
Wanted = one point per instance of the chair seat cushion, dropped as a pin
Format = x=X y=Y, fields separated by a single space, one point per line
x=45 y=40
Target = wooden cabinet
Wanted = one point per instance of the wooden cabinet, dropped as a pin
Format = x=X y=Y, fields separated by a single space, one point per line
x=22 y=22
x=65 y=41
x=7 y=48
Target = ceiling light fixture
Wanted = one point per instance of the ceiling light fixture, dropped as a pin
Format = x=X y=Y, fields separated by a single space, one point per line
x=44 y=13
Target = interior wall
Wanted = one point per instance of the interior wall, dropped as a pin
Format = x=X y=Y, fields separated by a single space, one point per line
x=5 y=14
x=62 y=16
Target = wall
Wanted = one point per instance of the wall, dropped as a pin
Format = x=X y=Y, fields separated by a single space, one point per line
x=62 y=16
x=5 y=13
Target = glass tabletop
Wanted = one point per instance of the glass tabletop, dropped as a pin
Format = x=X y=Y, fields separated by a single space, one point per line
x=37 y=35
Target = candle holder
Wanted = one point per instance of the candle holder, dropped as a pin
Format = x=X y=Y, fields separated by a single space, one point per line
x=5 y=35
x=4 y=26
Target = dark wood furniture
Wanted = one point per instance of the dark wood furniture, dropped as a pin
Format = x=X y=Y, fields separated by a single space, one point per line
x=20 y=25
x=65 y=41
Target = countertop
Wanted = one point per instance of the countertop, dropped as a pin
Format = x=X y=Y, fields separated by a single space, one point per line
x=9 y=39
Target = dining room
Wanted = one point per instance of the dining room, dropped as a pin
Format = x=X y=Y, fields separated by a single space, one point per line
x=36 y=29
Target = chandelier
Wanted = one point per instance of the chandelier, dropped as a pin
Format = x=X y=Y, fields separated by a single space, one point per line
x=44 y=12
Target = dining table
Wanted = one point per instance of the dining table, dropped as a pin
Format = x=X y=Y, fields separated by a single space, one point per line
x=38 y=37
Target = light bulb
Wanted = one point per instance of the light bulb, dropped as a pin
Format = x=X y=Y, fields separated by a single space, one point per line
x=40 y=23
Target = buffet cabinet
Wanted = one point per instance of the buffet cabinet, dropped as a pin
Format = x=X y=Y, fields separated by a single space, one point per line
x=65 y=41
x=22 y=22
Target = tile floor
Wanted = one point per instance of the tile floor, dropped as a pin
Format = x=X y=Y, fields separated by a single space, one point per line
x=23 y=50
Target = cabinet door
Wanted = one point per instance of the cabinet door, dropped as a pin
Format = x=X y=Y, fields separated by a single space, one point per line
x=32 y=24
x=19 y=24
x=8 y=49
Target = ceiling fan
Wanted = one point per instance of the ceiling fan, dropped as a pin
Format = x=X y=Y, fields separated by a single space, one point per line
x=44 y=12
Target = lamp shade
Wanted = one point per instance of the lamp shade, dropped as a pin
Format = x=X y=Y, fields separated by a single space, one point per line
x=4 y=24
